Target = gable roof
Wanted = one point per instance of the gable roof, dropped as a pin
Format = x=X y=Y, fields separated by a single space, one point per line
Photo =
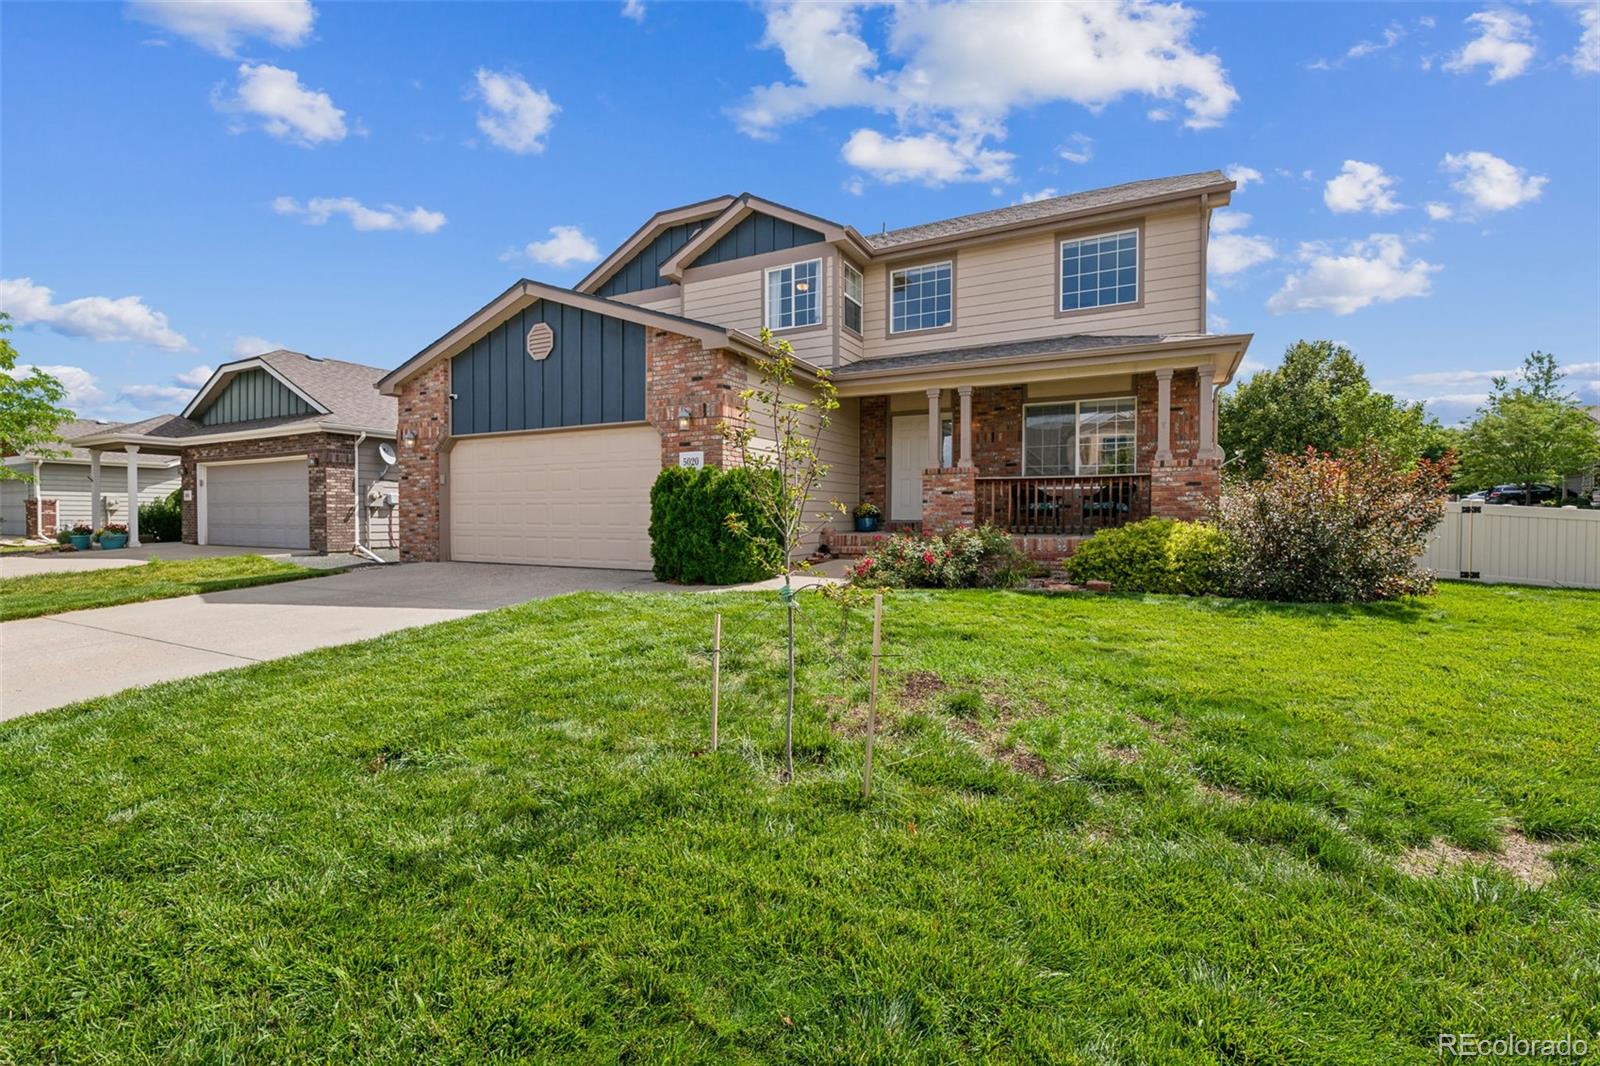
x=70 y=452
x=1054 y=208
x=736 y=212
x=646 y=233
x=526 y=292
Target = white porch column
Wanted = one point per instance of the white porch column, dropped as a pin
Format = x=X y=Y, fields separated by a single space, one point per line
x=965 y=392
x=1208 y=413
x=94 y=487
x=1164 y=415
x=935 y=453
x=133 y=495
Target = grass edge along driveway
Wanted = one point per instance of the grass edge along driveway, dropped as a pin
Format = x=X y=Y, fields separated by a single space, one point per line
x=1137 y=829
x=36 y=595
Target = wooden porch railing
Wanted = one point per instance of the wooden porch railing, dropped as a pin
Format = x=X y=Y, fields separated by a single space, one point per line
x=1068 y=506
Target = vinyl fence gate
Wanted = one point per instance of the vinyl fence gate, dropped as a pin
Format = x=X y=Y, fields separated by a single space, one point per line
x=1519 y=545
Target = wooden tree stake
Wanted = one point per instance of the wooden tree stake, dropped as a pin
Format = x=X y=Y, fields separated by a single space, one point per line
x=872 y=694
x=716 y=677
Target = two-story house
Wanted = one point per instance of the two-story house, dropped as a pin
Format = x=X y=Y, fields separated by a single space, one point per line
x=1044 y=367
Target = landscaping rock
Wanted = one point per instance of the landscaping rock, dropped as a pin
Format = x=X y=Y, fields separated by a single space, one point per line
x=1099 y=586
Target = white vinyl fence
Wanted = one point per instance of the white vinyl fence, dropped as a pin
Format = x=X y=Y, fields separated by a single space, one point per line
x=1520 y=545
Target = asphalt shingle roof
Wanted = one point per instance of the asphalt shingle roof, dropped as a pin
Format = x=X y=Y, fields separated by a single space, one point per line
x=1044 y=209
x=1075 y=342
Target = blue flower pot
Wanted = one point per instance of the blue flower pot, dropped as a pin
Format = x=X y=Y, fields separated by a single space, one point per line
x=113 y=541
x=79 y=543
x=866 y=523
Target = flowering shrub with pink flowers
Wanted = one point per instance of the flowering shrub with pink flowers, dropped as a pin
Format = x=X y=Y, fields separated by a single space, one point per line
x=956 y=559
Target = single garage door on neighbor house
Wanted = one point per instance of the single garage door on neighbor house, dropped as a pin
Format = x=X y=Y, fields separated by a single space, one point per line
x=569 y=498
x=265 y=504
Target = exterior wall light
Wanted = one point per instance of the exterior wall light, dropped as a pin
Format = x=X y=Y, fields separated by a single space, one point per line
x=683 y=418
x=410 y=437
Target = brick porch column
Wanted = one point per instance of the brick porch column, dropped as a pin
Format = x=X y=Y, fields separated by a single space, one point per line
x=949 y=497
x=39 y=517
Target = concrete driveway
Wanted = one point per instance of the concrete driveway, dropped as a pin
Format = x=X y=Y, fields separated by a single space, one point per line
x=46 y=662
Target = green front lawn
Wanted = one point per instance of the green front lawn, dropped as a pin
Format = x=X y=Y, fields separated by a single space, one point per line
x=1105 y=830
x=39 y=594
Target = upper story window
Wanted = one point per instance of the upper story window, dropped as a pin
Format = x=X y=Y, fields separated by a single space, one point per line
x=920 y=298
x=1100 y=271
x=855 y=294
x=794 y=295
x=1078 y=437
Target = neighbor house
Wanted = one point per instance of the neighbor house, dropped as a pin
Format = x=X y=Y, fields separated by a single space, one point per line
x=282 y=450
x=59 y=486
x=1044 y=367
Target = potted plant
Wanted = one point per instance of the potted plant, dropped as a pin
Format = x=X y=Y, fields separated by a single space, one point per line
x=114 y=535
x=80 y=536
x=866 y=517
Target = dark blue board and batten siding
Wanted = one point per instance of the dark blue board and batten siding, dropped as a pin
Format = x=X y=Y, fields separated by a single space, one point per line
x=757 y=234
x=593 y=375
x=643 y=271
x=253 y=394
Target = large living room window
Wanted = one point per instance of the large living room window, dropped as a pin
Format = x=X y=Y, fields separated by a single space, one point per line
x=794 y=295
x=1078 y=437
x=920 y=298
x=1100 y=271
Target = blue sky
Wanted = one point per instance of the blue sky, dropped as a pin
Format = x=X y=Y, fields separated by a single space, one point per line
x=183 y=183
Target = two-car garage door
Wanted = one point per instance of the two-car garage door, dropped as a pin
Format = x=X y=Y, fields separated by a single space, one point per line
x=576 y=498
x=256 y=504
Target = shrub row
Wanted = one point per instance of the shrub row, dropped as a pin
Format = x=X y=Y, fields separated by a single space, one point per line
x=689 y=535
x=956 y=559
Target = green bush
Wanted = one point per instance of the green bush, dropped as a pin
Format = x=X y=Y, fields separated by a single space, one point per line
x=162 y=519
x=1155 y=555
x=960 y=558
x=689 y=536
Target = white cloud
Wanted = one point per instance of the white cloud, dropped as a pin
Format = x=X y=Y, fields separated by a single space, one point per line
x=567 y=246
x=1375 y=270
x=1360 y=187
x=1229 y=250
x=1391 y=37
x=222 y=27
x=1490 y=183
x=1242 y=175
x=633 y=9
x=164 y=395
x=515 y=116
x=284 y=108
x=1440 y=212
x=1078 y=149
x=99 y=318
x=194 y=377
x=389 y=217
x=1585 y=58
x=1504 y=44
x=83 y=388
x=955 y=71
x=1043 y=194
x=246 y=346
x=928 y=158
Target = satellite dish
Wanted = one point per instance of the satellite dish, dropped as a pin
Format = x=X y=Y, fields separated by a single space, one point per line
x=386 y=453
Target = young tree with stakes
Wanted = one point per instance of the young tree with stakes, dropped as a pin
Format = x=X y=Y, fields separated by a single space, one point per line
x=777 y=436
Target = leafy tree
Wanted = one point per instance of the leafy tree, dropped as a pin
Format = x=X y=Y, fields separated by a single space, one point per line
x=1319 y=397
x=29 y=408
x=777 y=438
x=1529 y=433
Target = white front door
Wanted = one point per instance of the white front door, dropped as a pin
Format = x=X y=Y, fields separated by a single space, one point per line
x=908 y=458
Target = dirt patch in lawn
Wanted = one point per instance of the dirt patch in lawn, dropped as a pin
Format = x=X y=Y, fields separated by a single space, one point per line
x=1122 y=753
x=1526 y=860
x=1225 y=793
x=921 y=686
x=992 y=743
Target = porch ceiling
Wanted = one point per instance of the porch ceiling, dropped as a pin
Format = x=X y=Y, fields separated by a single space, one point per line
x=1047 y=359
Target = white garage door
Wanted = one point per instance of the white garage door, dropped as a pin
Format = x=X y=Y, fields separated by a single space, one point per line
x=580 y=498
x=258 y=505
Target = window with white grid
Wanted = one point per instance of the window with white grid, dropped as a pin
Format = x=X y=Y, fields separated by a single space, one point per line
x=1100 y=271
x=921 y=298
x=794 y=295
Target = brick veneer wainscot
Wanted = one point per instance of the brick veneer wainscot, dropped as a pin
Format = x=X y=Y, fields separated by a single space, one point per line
x=39 y=517
x=330 y=492
x=424 y=403
x=949 y=497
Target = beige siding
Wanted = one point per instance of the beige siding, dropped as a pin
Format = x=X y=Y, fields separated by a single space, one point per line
x=839 y=447
x=68 y=485
x=1006 y=291
x=380 y=524
x=736 y=301
x=671 y=304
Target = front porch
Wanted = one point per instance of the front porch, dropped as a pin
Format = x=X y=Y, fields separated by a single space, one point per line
x=1052 y=459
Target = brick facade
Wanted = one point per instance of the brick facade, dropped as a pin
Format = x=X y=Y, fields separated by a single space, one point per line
x=1186 y=491
x=330 y=480
x=681 y=375
x=39 y=517
x=425 y=412
x=996 y=430
x=949 y=497
x=874 y=452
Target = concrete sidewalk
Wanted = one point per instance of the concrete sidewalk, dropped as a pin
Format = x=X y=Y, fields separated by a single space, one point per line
x=47 y=662
x=26 y=564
